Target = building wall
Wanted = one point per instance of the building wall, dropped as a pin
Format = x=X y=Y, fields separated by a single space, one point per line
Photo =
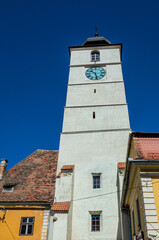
x=83 y=95
x=10 y=227
x=151 y=221
x=155 y=184
x=144 y=185
x=106 y=118
x=94 y=146
x=113 y=74
x=136 y=192
x=108 y=54
x=58 y=228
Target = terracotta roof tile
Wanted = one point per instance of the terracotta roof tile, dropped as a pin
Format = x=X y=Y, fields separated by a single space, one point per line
x=60 y=206
x=33 y=178
x=121 y=165
x=58 y=175
x=67 y=167
x=146 y=148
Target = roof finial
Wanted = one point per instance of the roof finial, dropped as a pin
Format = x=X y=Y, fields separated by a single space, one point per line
x=96 y=34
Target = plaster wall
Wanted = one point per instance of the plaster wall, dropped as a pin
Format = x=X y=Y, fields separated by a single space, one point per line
x=107 y=55
x=105 y=94
x=106 y=117
x=113 y=73
x=94 y=153
x=64 y=188
x=59 y=227
x=94 y=146
x=10 y=227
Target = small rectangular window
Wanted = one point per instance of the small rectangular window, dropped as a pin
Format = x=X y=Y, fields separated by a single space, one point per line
x=96 y=181
x=95 y=223
x=94 y=115
x=94 y=90
x=26 y=226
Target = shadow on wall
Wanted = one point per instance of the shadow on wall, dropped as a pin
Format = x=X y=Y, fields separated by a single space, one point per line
x=119 y=234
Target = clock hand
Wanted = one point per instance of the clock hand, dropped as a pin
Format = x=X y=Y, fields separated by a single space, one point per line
x=96 y=76
x=94 y=73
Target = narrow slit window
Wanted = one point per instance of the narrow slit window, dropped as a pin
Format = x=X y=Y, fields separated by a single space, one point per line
x=94 y=115
x=94 y=90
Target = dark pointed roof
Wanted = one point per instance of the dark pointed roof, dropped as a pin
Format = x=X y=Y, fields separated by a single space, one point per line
x=96 y=41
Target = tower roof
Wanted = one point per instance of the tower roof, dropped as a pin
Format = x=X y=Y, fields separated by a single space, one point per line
x=96 y=41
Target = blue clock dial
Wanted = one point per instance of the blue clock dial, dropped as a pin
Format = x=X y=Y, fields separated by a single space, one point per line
x=95 y=73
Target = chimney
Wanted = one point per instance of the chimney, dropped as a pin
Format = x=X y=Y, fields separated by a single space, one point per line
x=3 y=167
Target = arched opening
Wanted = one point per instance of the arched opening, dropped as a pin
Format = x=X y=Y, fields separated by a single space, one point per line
x=95 y=55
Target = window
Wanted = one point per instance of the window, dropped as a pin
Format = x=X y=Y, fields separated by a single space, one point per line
x=8 y=188
x=26 y=226
x=95 y=56
x=138 y=212
x=95 y=223
x=96 y=181
x=94 y=115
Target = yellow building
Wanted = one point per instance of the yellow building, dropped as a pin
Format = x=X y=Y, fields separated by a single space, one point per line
x=26 y=196
x=140 y=198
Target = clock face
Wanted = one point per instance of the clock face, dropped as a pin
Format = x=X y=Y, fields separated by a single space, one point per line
x=95 y=73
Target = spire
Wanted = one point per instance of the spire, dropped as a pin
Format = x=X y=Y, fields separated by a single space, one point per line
x=96 y=34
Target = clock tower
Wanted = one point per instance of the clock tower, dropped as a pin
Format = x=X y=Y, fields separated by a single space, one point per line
x=94 y=139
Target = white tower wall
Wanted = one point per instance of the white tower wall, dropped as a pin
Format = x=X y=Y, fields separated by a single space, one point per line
x=94 y=145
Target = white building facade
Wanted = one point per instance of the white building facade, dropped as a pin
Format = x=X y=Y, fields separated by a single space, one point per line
x=93 y=140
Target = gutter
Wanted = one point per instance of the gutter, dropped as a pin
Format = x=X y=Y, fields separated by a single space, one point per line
x=25 y=204
x=143 y=160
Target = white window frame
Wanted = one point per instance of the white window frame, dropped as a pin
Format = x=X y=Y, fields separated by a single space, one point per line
x=95 y=53
x=98 y=212
x=96 y=175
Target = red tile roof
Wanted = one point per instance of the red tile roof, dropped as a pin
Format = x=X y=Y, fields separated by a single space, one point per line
x=33 y=179
x=146 y=147
x=60 y=206
x=121 y=165
x=58 y=175
x=67 y=167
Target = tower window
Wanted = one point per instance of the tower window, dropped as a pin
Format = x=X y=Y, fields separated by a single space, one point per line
x=94 y=115
x=95 y=56
x=96 y=181
x=94 y=90
x=95 y=223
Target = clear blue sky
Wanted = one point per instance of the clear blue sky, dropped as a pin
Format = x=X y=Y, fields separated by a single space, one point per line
x=34 y=60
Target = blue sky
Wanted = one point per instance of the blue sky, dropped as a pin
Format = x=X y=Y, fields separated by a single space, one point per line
x=34 y=60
